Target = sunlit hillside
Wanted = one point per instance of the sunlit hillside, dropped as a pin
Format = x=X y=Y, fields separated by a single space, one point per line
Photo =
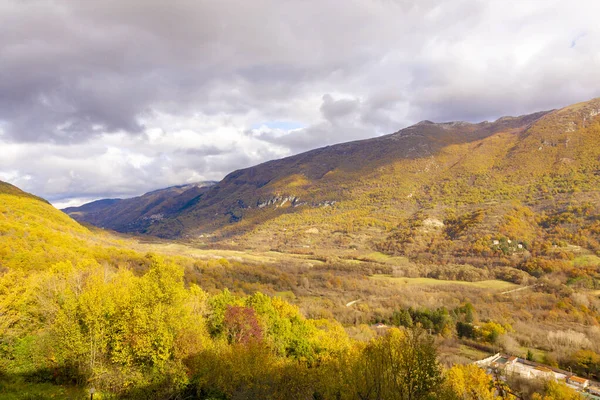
x=34 y=235
x=79 y=311
x=355 y=194
x=82 y=308
x=536 y=184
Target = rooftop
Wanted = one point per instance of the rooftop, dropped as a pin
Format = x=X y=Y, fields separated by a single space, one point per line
x=578 y=379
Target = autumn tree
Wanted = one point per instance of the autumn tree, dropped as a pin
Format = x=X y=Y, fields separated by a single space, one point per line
x=468 y=382
x=241 y=325
x=400 y=365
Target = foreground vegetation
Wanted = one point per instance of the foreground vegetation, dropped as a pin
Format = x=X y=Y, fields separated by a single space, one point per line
x=80 y=311
x=149 y=336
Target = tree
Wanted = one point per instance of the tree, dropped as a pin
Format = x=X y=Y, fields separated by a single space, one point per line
x=468 y=382
x=465 y=329
x=241 y=325
x=491 y=331
x=402 y=318
x=557 y=391
x=529 y=355
x=400 y=365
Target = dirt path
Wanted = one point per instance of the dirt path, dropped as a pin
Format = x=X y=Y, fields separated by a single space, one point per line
x=517 y=289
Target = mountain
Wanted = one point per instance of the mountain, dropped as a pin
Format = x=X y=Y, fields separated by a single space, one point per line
x=459 y=190
x=8 y=189
x=93 y=207
x=138 y=213
x=321 y=177
x=331 y=175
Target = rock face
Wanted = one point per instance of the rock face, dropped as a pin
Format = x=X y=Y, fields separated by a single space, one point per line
x=279 y=201
x=433 y=223
x=292 y=201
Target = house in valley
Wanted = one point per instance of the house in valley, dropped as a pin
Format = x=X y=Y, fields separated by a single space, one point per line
x=578 y=382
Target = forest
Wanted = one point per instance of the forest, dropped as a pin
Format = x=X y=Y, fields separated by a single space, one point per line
x=81 y=309
x=417 y=269
x=149 y=336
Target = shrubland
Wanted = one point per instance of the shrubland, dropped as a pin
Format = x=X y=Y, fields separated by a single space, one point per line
x=468 y=248
x=92 y=313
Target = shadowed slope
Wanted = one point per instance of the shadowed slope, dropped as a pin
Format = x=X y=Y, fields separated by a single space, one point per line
x=137 y=213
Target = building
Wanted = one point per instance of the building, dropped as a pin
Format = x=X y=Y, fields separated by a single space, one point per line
x=519 y=367
x=595 y=390
x=543 y=372
x=581 y=383
x=505 y=366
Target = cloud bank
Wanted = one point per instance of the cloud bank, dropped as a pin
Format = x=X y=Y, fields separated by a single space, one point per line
x=117 y=97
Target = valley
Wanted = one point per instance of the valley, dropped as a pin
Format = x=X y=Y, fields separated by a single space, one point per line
x=462 y=239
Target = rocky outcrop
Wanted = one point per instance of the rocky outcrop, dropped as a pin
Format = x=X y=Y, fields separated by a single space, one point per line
x=291 y=201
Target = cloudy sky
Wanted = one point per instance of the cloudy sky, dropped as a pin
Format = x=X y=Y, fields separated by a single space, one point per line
x=113 y=98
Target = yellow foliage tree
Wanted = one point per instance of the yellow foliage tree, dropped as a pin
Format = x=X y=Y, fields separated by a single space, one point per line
x=469 y=382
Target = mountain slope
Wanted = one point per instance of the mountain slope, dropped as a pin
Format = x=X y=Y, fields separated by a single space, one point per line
x=521 y=192
x=323 y=176
x=33 y=234
x=138 y=213
x=89 y=208
x=8 y=189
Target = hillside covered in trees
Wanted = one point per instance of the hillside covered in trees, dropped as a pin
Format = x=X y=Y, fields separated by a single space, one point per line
x=82 y=308
x=77 y=311
x=331 y=283
x=137 y=213
x=539 y=161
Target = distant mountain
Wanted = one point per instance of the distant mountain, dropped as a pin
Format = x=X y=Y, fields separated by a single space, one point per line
x=138 y=213
x=490 y=193
x=246 y=198
x=92 y=207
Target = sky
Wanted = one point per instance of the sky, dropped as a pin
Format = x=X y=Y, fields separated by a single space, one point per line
x=114 y=98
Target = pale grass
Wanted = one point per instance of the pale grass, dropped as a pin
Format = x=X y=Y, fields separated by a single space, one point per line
x=180 y=249
x=586 y=260
x=384 y=258
x=472 y=353
x=487 y=284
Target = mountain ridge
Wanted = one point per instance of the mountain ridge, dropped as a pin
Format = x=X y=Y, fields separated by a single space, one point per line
x=363 y=188
x=245 y=189
x=136 y=213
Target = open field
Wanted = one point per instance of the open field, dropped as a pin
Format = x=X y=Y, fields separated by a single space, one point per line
x=586 y=260
x=472 y=353
x=488 y=284
x=386 y=259
x=180 y=249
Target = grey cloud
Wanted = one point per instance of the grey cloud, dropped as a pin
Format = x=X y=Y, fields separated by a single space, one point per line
x=203 y=151
x=334 y=109
x=73 y=70
x=82 y=83
x=343 y=120
x=318 y=135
